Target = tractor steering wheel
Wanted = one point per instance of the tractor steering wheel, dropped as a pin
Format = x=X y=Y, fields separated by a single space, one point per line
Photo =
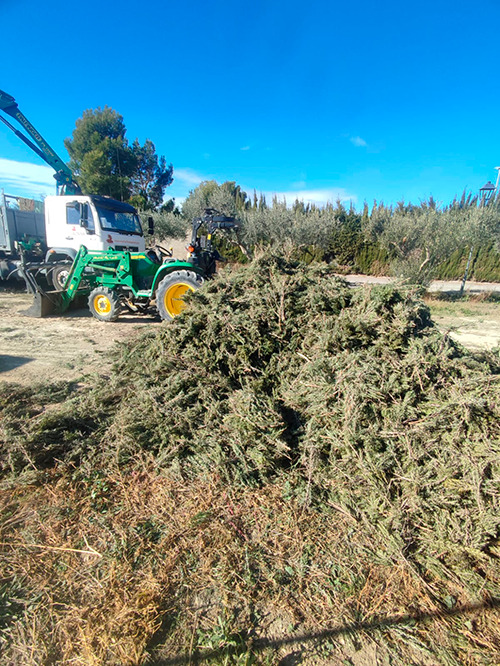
x=163 y=250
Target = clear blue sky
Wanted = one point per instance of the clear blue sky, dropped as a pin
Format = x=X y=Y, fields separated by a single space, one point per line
x=368 y=100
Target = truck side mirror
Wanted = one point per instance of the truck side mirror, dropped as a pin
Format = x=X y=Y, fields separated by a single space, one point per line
x=151 y=226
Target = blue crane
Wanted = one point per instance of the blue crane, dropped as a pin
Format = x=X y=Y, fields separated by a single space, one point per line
x=63 y=174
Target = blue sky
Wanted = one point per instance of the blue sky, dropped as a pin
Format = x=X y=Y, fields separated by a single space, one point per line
x=362 y=100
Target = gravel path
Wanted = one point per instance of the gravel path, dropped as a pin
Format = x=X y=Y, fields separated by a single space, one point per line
x=471 y=287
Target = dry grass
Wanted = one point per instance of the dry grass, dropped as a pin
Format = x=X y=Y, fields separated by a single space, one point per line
x=112 y=570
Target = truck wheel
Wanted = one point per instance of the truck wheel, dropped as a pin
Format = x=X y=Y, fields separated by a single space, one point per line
x=170 y=292
x=104 y=304
x=58 y=276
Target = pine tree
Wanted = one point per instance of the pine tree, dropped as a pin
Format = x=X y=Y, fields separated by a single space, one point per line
x=100 y=156
x=151 y=176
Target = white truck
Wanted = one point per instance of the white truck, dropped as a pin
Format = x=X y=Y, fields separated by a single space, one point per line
x=53 y=231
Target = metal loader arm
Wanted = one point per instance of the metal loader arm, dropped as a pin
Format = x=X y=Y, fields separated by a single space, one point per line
x=63 y=175
x=213 y=220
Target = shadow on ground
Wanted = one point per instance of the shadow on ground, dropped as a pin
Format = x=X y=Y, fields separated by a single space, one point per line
x=244 y=643
x=11 y=362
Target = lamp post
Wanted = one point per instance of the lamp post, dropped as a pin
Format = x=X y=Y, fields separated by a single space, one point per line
x=486 y=193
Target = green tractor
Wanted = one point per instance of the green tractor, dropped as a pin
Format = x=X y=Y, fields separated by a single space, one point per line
x=115 y=281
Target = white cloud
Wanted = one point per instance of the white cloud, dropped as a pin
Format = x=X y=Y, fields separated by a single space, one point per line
x=245 y=148
x=358 y=141
x=320 y=197
x=34 y=180
x=188 y=177
x=26 y=179
x=185 y=180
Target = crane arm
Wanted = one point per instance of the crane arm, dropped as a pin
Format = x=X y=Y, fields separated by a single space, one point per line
x=63 y=175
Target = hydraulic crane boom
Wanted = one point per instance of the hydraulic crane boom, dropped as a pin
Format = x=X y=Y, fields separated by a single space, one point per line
x=63 y=174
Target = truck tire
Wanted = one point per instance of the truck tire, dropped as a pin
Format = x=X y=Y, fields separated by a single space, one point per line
x=171 y=289
x=58 y=276
x=105 y=304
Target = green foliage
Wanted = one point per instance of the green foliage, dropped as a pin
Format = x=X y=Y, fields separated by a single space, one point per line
x=424 y=237
x=308 y=254
x=99 y=154
x=417 y=243
x=347 y=238
x=484 y=267
x=168 y=224
x=150 y=178
x=169 y=206
x=453 y=268
x=227 y=198
x=229 y=251
x=104 y=163
x=287 y=448
x=486 y=264
x=372 y=259
x=278 y=224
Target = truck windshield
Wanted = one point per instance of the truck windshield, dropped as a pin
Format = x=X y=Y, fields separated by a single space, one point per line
x=119 y=221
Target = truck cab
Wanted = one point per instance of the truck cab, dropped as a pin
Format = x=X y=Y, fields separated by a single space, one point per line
x=97 y=222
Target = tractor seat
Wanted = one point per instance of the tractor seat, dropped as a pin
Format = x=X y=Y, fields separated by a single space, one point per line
x=153 y=255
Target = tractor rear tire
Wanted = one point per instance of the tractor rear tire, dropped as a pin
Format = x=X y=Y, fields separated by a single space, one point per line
x=172 y=288
x=105 y=304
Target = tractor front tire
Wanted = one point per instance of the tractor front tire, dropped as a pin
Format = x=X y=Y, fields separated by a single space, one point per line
x=105 y=304
x=172 y=289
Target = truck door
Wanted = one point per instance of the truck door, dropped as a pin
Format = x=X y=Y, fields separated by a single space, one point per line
x=80 y=225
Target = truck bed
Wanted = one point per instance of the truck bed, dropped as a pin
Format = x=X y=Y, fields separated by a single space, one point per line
x=17 y=225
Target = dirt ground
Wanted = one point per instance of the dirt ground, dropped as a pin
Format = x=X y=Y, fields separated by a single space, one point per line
x=67 y=347
x=473 y=323
x=75 y=345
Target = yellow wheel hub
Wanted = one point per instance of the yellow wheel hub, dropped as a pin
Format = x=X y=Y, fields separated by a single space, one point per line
x=102 y=304
x=174 y=303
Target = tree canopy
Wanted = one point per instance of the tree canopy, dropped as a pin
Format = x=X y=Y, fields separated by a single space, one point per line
x=151 y=176
x=414 y=242
x=104 y=163
x=227 y=198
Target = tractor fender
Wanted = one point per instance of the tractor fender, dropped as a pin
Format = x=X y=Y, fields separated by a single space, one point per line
x=172 y=267
x=60 y=254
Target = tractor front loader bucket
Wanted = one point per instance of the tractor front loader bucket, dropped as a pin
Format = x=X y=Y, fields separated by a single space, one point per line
x=42 y=305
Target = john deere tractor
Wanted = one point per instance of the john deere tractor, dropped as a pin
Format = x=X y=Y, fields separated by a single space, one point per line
x=115 y=281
